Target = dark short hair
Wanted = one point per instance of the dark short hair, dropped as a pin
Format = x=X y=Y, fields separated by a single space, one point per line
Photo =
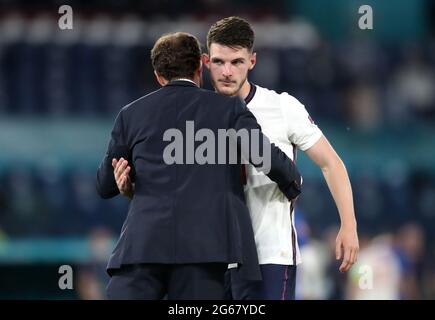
x=231 y=32
x=176 y=55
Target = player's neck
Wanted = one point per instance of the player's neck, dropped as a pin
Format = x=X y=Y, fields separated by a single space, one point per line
x=244 y=90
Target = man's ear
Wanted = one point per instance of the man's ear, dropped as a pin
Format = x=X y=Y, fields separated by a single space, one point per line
x=253 y=60
x=206 y=60
x=162 y=81
x=199 y=74
x=201 y=64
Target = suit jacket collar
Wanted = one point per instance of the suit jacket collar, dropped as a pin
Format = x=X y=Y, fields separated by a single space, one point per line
x=182 y=83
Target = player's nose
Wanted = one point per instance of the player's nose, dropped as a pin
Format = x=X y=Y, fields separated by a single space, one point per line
x=226 y=70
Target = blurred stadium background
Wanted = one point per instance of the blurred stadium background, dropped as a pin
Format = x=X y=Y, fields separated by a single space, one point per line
x=371 y=91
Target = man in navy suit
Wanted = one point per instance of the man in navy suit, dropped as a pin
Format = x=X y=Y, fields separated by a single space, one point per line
x=187 y=220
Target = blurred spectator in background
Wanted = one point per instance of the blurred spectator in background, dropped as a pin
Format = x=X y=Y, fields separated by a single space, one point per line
x=312 y=282
x=363 y=107
x=92 y=278
x=377 y=274
x=409 y=245
x=412 y=91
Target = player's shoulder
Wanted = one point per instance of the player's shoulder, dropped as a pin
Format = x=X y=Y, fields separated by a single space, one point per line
x=284 y=99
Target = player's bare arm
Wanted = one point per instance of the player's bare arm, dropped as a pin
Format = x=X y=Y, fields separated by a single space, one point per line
x=337 y=179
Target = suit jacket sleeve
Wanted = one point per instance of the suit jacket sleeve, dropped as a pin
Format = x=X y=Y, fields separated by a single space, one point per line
x=117 y=148
x=282 y=169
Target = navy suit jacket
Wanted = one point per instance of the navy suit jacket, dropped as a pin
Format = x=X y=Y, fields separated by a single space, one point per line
x=185 y=213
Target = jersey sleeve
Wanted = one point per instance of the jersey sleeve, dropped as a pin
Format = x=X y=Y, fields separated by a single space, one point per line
x=301 y=129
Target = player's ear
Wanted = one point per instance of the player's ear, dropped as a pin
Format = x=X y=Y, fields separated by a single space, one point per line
x=253 y=60
x=206 y=60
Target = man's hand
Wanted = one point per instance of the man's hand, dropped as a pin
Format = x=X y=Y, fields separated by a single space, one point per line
x=347 y=247
x=121 y=170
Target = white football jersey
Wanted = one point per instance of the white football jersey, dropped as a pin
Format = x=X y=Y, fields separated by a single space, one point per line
x=286 y=122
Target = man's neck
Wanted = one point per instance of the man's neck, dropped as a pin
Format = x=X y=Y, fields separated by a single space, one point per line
x=244 y=90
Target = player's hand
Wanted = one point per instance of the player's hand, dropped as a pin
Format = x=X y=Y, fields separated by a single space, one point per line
x=347 y=247
x=121 y=171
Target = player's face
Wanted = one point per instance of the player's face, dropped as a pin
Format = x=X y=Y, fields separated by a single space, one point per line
x=229 y=67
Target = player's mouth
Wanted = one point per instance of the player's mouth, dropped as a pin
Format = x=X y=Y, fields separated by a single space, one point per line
x=227 y=82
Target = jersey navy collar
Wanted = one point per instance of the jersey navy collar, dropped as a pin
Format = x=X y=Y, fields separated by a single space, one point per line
x=251 y=93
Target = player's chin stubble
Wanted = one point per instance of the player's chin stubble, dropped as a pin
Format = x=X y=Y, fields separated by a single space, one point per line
x=224 y=90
